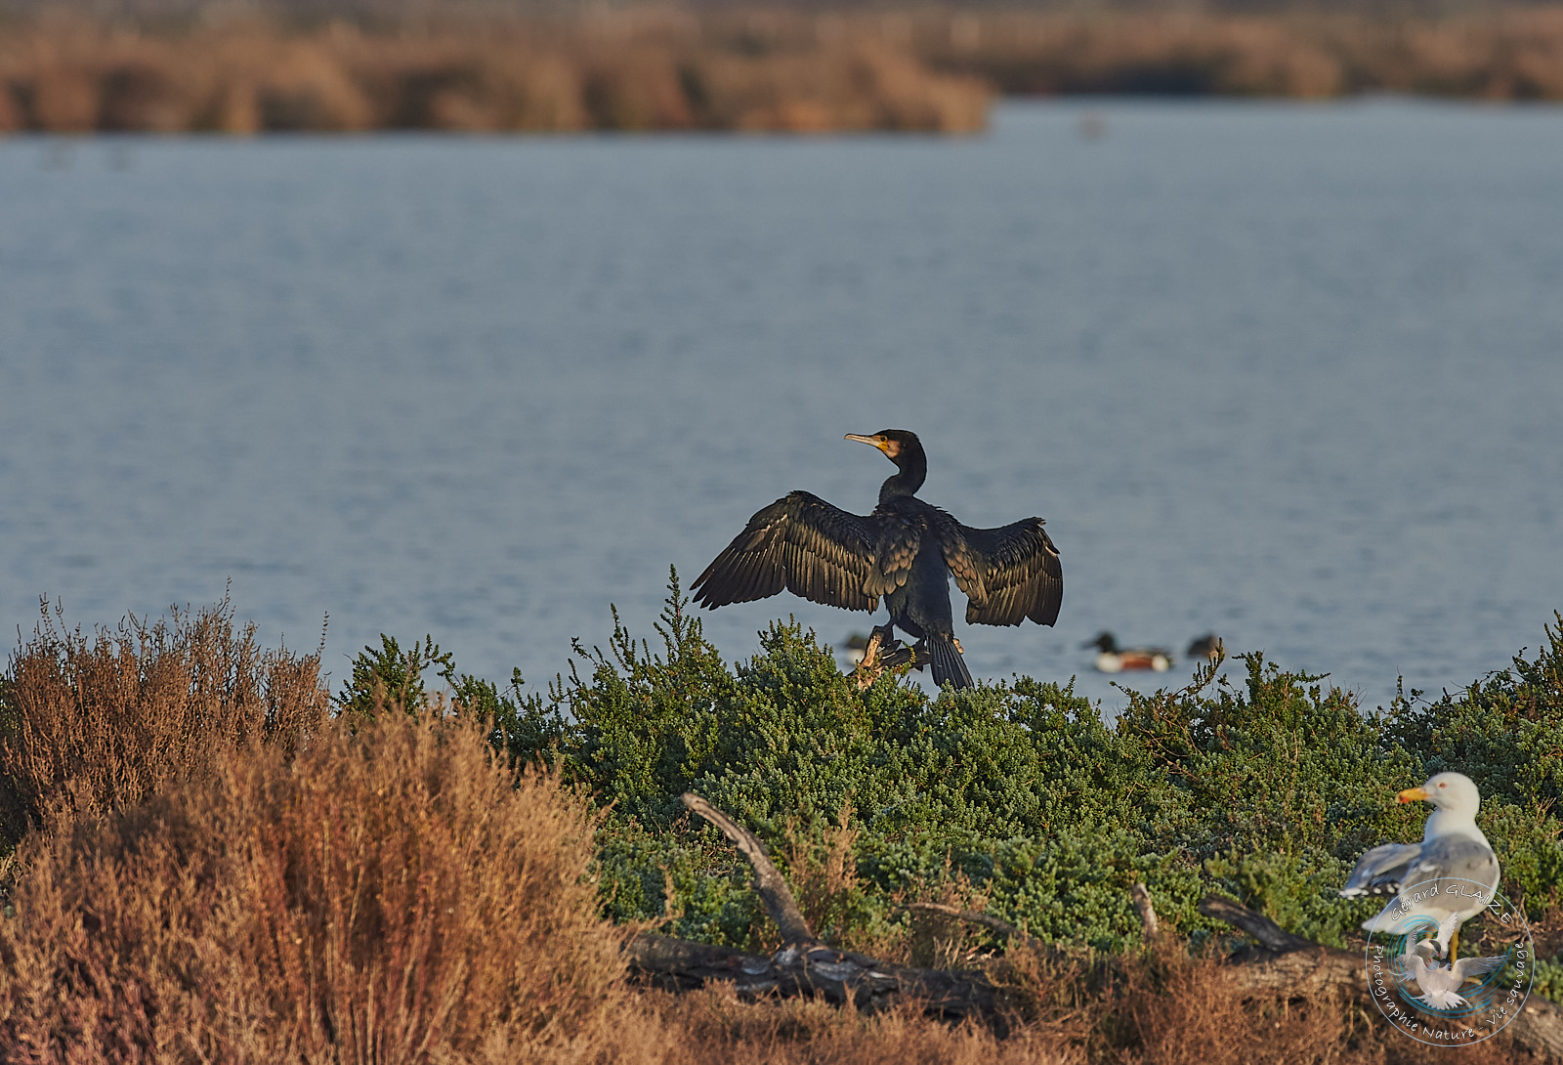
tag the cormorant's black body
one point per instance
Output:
(906, 551)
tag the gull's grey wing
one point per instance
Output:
(1009, 574)
(1379, 871)
(1453, 857)
(800, 543)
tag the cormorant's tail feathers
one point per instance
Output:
(948, 665)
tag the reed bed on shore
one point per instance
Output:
(747, 69)
(644, 71)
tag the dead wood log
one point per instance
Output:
(1284, 962)
(837, 976)
(1270, 935)
(804, 965)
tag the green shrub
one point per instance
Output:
(1019, 793)
(1265, 787)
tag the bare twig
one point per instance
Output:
(971, 917)
(774, 892)
(1270, 935)
(1141, 896)
(883, 652)
(1284, 963)
(804, 965)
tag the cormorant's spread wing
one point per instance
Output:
(800, 543)
(1008, 574)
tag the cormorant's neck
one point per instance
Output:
(912, 470)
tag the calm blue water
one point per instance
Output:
(1290, 373)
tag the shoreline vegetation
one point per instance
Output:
(236, 70)
(208, 854)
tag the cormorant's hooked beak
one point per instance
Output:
(1413, 795)
(887, 446)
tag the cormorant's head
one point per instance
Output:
(893, 442)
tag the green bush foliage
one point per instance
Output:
(1018, 795)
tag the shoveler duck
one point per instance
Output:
(1111, 658)
(1206, 646)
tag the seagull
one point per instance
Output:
(1441, 984)
(1445, 880)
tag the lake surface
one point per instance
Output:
(1289, 373)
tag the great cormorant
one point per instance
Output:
(905, 550)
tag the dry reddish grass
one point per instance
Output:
(385, 895)
(95, 723)
(712, 1028)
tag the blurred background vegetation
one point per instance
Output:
(483, 65)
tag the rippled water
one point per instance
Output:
(1293, 374)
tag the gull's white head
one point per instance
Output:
(1453, 792)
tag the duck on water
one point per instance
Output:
(905, 551)
(1110, 658)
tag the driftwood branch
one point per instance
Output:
(804, 965)
(1270, 935)
(837, 976)
(1140, 895)
(971, 917)
(882, 652)
(774, 892)
(1285, 962)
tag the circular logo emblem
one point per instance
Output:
(1442, 1000)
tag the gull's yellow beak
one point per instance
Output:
(872, 441)
(1412, 795)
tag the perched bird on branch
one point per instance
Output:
(905, 551)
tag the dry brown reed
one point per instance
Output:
(1170, 1007)
(93, 723)
(713, 1028)
(721, 68)
(647, 70)
(1499, 53)
(389, 894)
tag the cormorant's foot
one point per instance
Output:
(872, 662)
(882, 653)
(958, 648)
